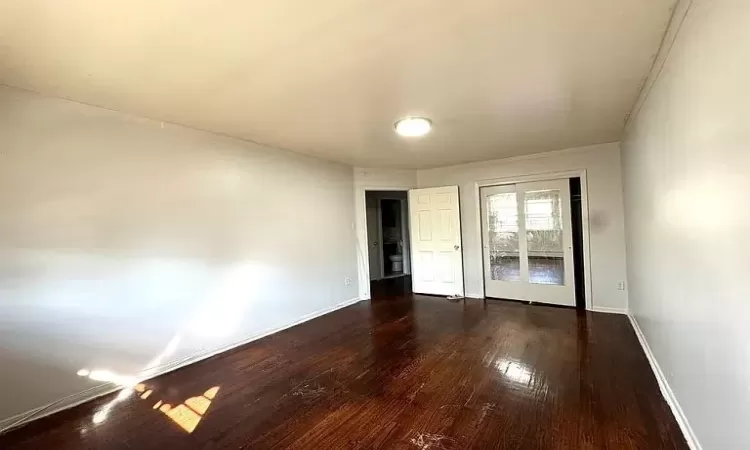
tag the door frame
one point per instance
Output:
(523, 288)
(360, 227)
(405, 235)
(379, 225)
(538, 177)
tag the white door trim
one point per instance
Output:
(539, 177)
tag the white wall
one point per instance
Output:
(607, 246)
(686, 164)
(119, 236)
(373, 179)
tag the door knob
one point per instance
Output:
(455, 247)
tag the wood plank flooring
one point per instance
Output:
(401, 372)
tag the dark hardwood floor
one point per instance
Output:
(401, 372)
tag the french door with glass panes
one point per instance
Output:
(527, 242)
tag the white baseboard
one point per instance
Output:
(57, 406)
(666, 390)
(604, 309)
(108, 388)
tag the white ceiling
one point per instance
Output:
(329, 77)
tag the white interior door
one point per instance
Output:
(528, 242)
(435, 231)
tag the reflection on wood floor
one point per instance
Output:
(401, 372)
(541, 270)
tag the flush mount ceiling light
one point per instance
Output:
(413, 126)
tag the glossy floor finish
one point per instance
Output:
(402, 372)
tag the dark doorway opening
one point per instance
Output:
(387, 215)
(576, 206)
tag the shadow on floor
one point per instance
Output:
(390, 287)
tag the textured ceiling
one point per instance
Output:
(329, 77)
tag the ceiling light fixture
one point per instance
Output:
(413, 126)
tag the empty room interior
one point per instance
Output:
(489, 224)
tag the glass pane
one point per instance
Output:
(544, 237)
(502, 214)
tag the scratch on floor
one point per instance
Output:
(307, 392)
(486, 408)
(303, 389)
(413, 395)
(425, 441)
(408, 370)
(470, 397)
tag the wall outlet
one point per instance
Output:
(621, 286)
(347, 281)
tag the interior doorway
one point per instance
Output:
(388, 240)
(528, 242)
